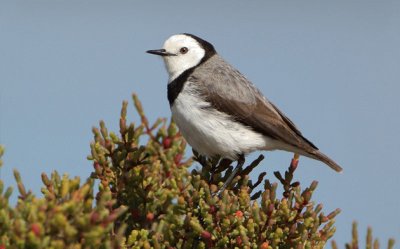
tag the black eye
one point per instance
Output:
(184, 50)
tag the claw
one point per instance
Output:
(239, 166)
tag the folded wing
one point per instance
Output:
(230, 92)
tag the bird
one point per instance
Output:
(220, 112)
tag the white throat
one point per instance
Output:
(181, 61)
(174, 69)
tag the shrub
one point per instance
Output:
(148, 198)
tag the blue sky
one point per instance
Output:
(332, 67)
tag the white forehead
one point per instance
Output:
(181, 40)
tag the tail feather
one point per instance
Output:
(325, 159)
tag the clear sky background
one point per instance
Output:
(332, 66)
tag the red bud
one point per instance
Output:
(35, 228)
(178, 159)
(239, 214)
(239, 240)
(96, 166)
(94, 218)
(150, 216)
(264, 245)
(213, 209)
(206, 235)
(167, 143)
(294, 163)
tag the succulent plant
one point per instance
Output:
(149, 197)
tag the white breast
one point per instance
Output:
(211, 132)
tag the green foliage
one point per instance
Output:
(64, 218)
(370, 243)
(147, 198)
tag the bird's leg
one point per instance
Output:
(239, 166)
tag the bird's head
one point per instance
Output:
(182, 52)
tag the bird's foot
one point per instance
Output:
(228, 181)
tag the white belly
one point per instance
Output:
(211, 132)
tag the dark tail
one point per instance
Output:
(323, 158)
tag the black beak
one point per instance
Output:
(161, 52)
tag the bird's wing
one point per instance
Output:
(230, 92)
